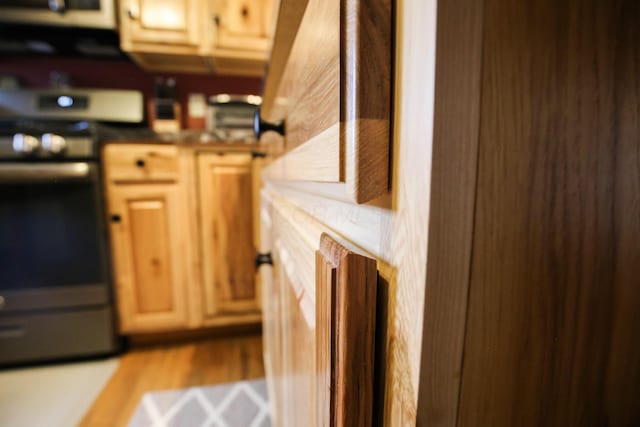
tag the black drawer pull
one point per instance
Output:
(260, 126)
(116, 218)
(140, 163)
(262, 259)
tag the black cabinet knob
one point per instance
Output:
(116, 218)
(262, 259)
(260, 126)
(140, 163)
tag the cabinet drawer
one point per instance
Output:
(336, 102)
(141, 162)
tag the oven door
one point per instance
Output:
(52, 237)
(76, 13)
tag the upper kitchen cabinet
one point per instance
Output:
(197, 36)
(240, 35)
(334, 105)
(169, 21)
(164, 35)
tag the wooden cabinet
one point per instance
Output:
(240, 35)
(507, 250)
(164, 35)
(242, 24)
(338, 115)
(200, 36)
(149, 257)
(182, 237)
(320, 305)
(226, 214)
(167, 21)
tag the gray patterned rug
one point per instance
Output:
(239, 404)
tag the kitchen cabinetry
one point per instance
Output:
(182, 237)
(240, 35)
(226, 200)
(200, 36)
(164, 35)
(148, 256)
(168, 21)
(330, 175)
(320, 305)
(507, 250)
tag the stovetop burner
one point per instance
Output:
(64, 128)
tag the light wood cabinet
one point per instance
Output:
(319, 323)
(199, 36)
(165, 21)
(226, 215)
(148, 256)
(240, 35)
(164, 35)
(336, 101)
(182, 242)
(507, 249)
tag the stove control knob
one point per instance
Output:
(25, 144)
(54, 144)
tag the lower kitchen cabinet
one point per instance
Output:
(148, 256)
(182, 245)
(319, 323)
(226, 200)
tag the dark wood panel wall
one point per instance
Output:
(552, 335)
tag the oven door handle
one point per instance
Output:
(46, 172)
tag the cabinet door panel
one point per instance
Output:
(320, 344)
(148, 257)
(226, 200)
(242, 24)
(162, 21)
(335, 101)
(345, 317)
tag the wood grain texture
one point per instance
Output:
(365, 91)
(226, 219)
(453, 183)
(398, 233)
(148, 257)
(159, 162)
(157, 368)
(289, 17)
(316, 160)
(346, 87)
(299, 367)
(293, 313)
(311, 83)
(345, 335)
(552, 329)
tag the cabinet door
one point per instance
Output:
(148, 254)
(319, 327)
(161, 21)
(226, 215)
(331, 85)
(242, 24)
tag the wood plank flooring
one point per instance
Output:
(166, 367)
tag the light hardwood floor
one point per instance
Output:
(211, 361)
